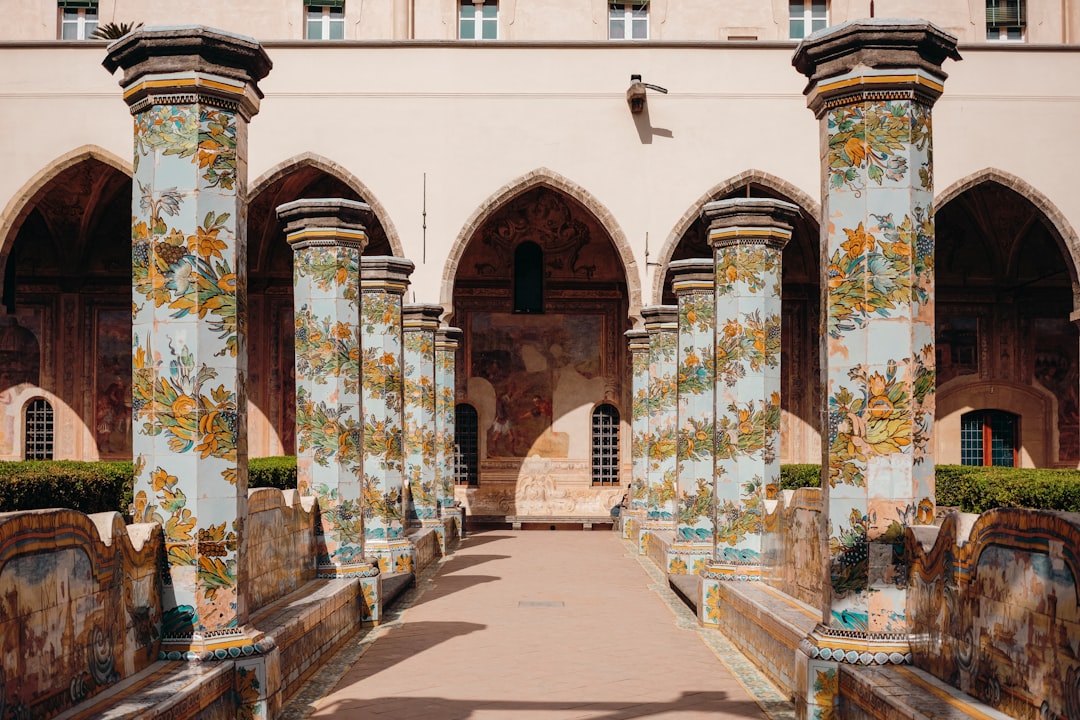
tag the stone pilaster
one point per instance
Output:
(872, 86)
(633, 519)
(327, 237)
(662, 325)
(419, 324)
(447, 340)
(192, 92)
(383, 281)
(692, 281)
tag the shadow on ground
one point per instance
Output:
(710, 703)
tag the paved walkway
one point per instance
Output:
(545, 625)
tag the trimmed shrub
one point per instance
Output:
(793, 477)
(976, 489)
(276, 472)
(89, 487)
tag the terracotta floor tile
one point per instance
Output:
(544, 625)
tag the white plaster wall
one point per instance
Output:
(1055, 21)
(472, 119)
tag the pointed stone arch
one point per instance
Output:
(1066, 235)
(21, 204)
(314, 160)
(759, 177)
(533, 179)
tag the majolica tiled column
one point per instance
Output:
(662, 324)
(327, 237)
(192, 92)
(632, 523)
(692, 281)
(748, 237)
(419, 324)
(383, 281)
(447, 340)
(872, 86)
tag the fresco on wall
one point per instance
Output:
(535, 363)
(112, 382)
(957, 347)
(20, 362)
(1055, 369)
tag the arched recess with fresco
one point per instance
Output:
(1006, 277)
(539, 287)
(801, 366)
(65, 316)
(271, 385)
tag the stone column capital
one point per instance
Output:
(421, 316)
(189, 64)
(750, 221)
(878, 59)
(386, 272)
(447, 338)
(693, 274)
(637, 337)
(325, 222)
(657, 315)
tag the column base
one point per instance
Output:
(712, 574)
(630, 522)
(817, 680)
(457, 513)
(227, 644)
(688, 558)
(393, 556)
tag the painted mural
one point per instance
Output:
(535, 368)
(1056, 370)
(20, 364)
(994, 610)
(112, 383)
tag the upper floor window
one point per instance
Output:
(989, 437)
(78, 19)
(466, 445)
(1005, 20)
(38, 430)
(806, 17)
(605, 445)
(325, 19)
(478, 20)
(628, 20)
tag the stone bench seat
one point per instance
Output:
(165, 689)
(586, 521)
(892, 692)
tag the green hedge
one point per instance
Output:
(87, 486)
(977, 489)
(793, 477)
(278, 472)
(101, 486)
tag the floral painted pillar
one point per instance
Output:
(447, 340)
(383, 281)
(192, 92)
(692, 281)
(634, 518)
(327, 237)
(748, 237)
(419, 324)
(872, 86)
(662, 325)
